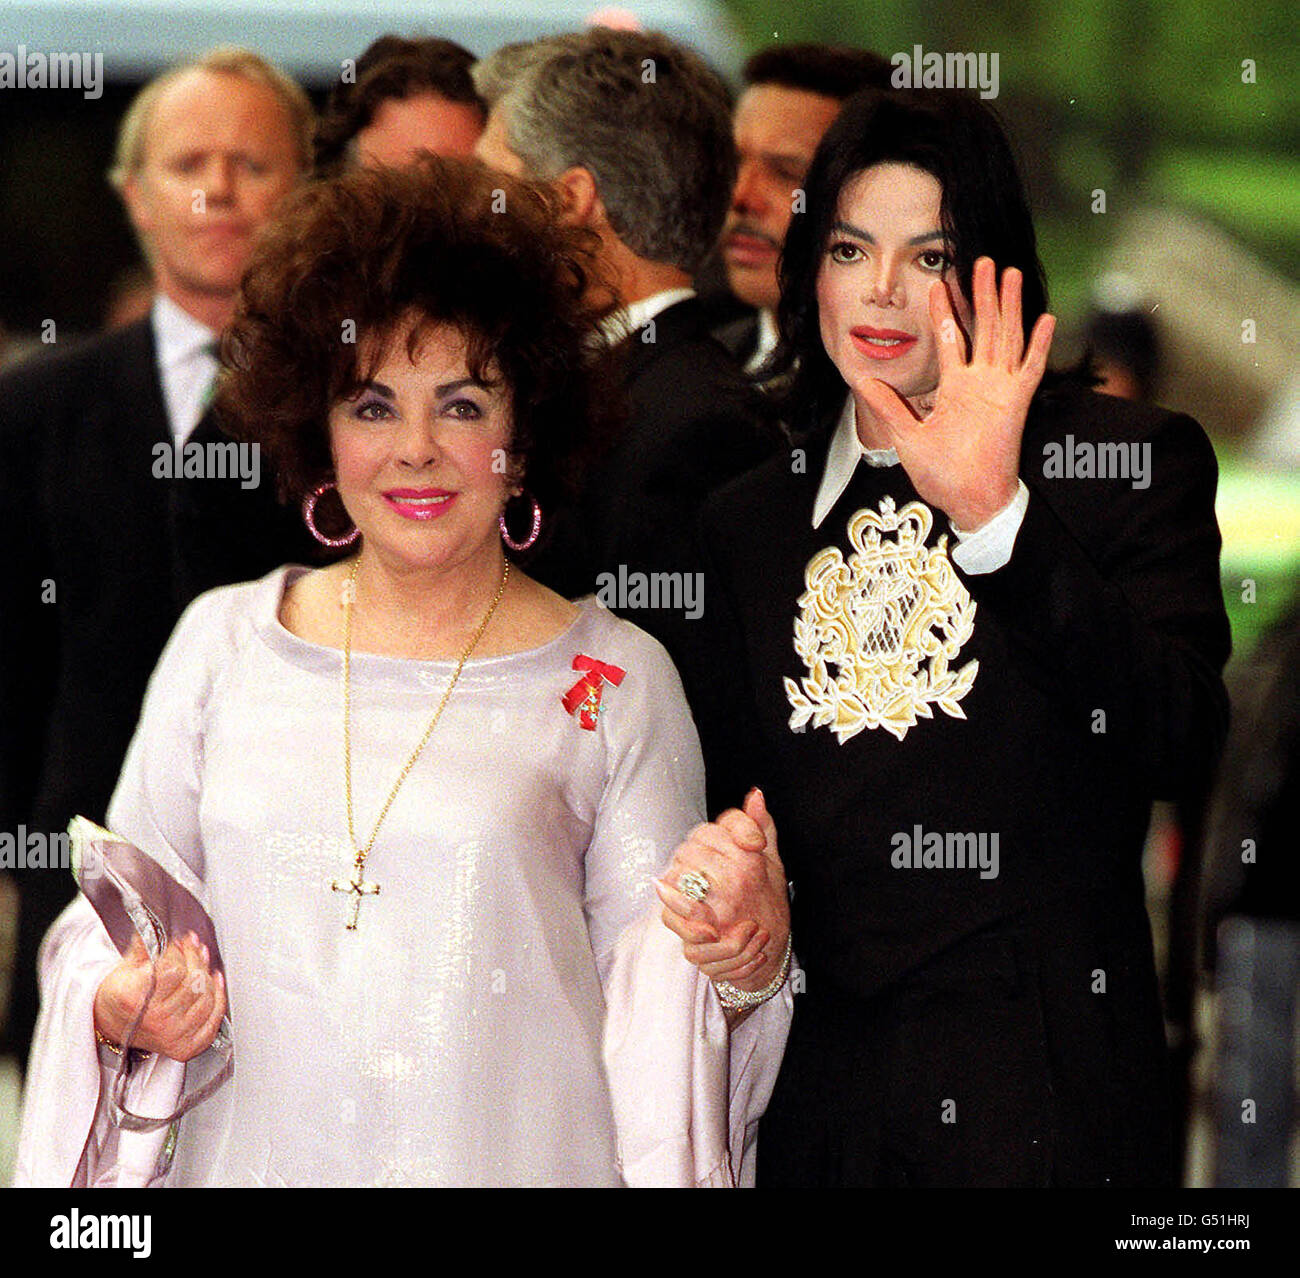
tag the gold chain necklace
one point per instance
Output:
(356, 885)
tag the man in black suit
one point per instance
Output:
(633, 131)
(792, 93)
(960, 649)
(108, 536)
(1022, 987)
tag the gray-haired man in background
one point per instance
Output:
(633, 131)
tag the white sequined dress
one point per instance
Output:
(455, 1037)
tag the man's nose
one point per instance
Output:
(747, 194)
(219, 179)
(885, 283)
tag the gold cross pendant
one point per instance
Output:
(359, 889)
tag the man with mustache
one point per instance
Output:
(792, 93)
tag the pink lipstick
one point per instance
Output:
(420, 503)
(882, 343)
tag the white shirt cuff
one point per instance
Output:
(989, 548)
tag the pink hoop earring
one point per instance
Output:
(308, 517)
(532, 536)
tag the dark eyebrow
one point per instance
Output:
(858, 233)
(445, 389)
(848, 228)
(448, 387)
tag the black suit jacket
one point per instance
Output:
(692, 423)
(102, 559)
(740, 337)
(1100, 646)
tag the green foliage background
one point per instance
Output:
(1144, 100)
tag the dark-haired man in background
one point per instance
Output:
(792, 93)
(406, 96)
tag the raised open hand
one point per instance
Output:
(737, 933)
(964, 457)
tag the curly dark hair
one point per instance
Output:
(447, 241)
(392, 67)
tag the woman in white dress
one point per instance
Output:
(423, 798)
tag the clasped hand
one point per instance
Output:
(963, 457)
(185, 1010)
(739, 931)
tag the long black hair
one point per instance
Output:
(948, 133)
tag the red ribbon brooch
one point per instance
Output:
(583, 699)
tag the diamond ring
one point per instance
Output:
(694, 884)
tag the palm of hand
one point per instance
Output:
(964, 456)
(973, 432)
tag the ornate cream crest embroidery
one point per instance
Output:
(877, 633)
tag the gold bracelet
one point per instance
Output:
(107, 1042)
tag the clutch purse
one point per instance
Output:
(137, 894)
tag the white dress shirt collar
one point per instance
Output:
(842, 459)
(186, 365)
(177, 334)
(765, 343)
(624, 322)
